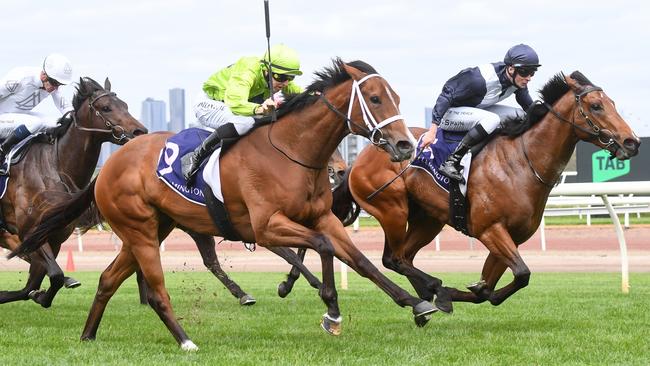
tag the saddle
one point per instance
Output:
(19, 151)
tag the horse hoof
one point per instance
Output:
(284, 289)
(247, 300)
(422, 313)
(477, 287)
(331, 325)
(70, 282)
(189, 346)
(446, 306)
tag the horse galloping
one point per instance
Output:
(279, 198)
(336, 169)
(509, 184)
(66, 165)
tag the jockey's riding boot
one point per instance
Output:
(15, 137)
(192, 165)
(451, 167)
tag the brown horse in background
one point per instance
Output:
(275, 189)
(47, 171)
(509, 183)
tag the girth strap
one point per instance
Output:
(219, 215)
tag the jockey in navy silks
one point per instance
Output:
(468, 102)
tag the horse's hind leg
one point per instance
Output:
(421, 231)
(120, 269)
(148, 258)
(206, 246)
(296, 260)
(285, 287)
(142, 287)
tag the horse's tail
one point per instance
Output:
(59, 216)
(343, 204)
(89, 219)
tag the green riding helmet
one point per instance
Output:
(284, 60)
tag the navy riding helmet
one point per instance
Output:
(522, 55)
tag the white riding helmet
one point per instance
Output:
(58, 67)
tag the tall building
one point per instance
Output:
(176, 109)
(351, 146)
(428, 116)
(153, 115)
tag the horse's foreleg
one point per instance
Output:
(280, 231)
(505, 251)
(120, 269)
(298, 267)
(206, 246)
(37, 272)
(349, 254)
(481, 291)
(54, 272)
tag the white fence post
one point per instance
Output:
(625, 277)
(80, 243)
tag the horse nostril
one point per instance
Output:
(632, 145)
(341, 173)
(405, 147)
(140, 131)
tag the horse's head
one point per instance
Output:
(374, 102)
(97, 109)
(600, 122)
(336, 167)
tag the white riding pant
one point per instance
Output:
(465, 118)
(34, 122)
(213, 113)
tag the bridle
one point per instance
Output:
(112, 126)
(371, 130)
(596, 132)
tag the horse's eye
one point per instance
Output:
(596, 107)
(106, 109)
(375, 99)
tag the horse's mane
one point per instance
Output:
(84, 90)
(550, 93)
(325, 79)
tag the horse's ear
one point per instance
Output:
(107, 84)
(353, 72)
(574, 84)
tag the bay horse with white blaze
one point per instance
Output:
(509, 184)
(276, 191)
(49, 171)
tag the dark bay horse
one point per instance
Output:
(48, 170)
(509, 183)
(276, 191)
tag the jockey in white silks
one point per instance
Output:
(21, 90)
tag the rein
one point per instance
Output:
(595, 132)
(370, 130)
(112, 126)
